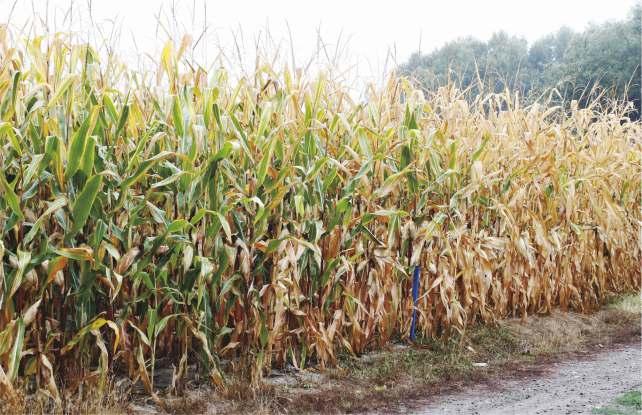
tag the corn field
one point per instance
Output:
(183, 217)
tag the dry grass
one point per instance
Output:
(113, 399)
(570, 332)
(630, 303)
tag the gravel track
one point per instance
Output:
(571, 387)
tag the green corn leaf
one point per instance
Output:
(177, 117)
(78, 144)
(84, 202)
(160, 326)
(178, 226)
(36, 162)
(87, 164)
(122, 120)
(60, 92)
(225, 225)
(94, 325)
(23, 261)
(265, 161)
(144, 167)
(14, 90)
(10, 197)
(228, 284)
(7, 129)
(53, 206)
(16, 351)
(481, 148)
(110, 107)
(298, 205)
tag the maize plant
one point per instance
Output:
(186, 218)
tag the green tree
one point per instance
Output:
(604, 58)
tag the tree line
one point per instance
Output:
(601, 61)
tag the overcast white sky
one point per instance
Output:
(368, 29)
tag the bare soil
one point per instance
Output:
(577, 386)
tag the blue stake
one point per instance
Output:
(415, 300)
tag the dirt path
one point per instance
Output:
(574, 387)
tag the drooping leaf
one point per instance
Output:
(84, 202)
